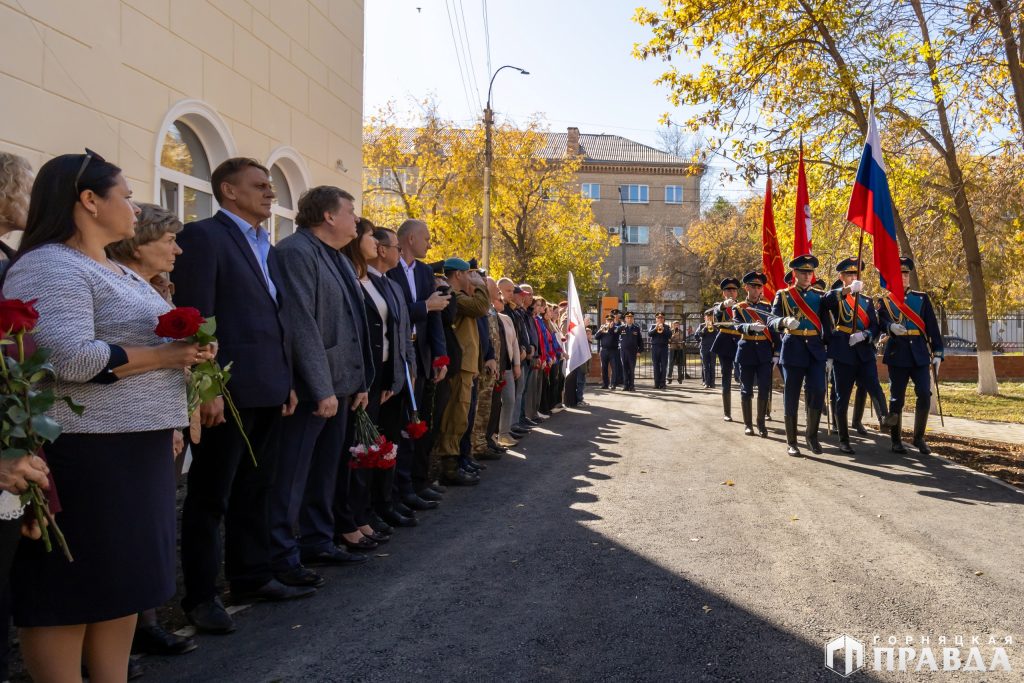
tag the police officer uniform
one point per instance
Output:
(659, 351)
(607, 337)
(914, 343)
(631, 342)
(799, 315)
(725, 343)
(851, 351)
(705, 336)
(754, 353)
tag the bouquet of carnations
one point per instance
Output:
(206, 380)
(415, 428)
(371, 450)
(441, 362)
(25, 426)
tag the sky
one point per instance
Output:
(578, 53)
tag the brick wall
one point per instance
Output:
(965, 368)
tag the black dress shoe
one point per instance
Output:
(477, 465)
(272, 591)
(153, 639)
(490, 454)
(417, 503)
(334, 557)
(402, 509)
(429, 494)
(495, 446)
(439, 487)
(380, 525)
(462, 478)
(136, 670)
(211, 617)
(363, 545)
(397, 519)
(378, 537)
(300, 576)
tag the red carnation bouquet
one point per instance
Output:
(206, 380)
(372, 450)
(441, 362)
(24, 403)
(415, 428)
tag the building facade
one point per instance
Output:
(167, 89)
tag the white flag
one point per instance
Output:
(577, 346)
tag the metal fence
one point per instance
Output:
(1007, 332)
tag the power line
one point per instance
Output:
(458, 59)
(461, 12)
(487, 36)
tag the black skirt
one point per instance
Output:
(117, 497)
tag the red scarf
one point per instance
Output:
(756, 317)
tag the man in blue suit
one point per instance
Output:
(851, 350)
(607, 337)
(228, 269)
(425, 303)
(755, 352)
(914, 343)
(726, 340)
(799, 315)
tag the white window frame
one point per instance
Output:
(643, 194)
(637, 229)
(588, 191)
(674, 187)
(296, 174)
(214, 136)
(678, 232)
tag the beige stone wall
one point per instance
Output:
(278, 74)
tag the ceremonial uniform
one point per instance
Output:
(631, 342)
(799, 315)
(754, 353)
(914, 343)
(705, 336)
(725, 343)
(851, 350)
(607, 337)
(659, 352)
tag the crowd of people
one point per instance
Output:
(339, 321)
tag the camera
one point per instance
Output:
(444, 290)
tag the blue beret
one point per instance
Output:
(805, 262)
(454, 263)
(850, 265)
(754, 277)
(906, 264)
(730, 282)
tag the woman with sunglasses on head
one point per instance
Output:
(116, 482)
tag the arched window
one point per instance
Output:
(290, 178)
(192, 142)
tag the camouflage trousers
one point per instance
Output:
(484, 397)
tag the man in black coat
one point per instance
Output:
(227, 269)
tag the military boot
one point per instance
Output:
(727, 405)
(885, 418)
(920, 421)
(859, 399)
(453, 475)
(844, 432)
(792, 448)
(762, 411)
(747, 404)
(811, 434)
(897, 433)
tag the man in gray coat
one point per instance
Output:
(327, 321)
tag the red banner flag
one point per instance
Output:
(771, 257)
(802, 226)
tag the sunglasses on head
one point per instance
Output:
(89, 156)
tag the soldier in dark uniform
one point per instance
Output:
(754, 352)
(851, 351)
(607, 337)
(914, 343)
(631, 342)
(659, 335)
(798, 313)
(618, 378)
(705, 336)
(726, 340)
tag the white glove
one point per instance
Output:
(937, 361)
(897, 329)
(729, 303)
(756, 328)
(790, 323)
(828, 366)
(856, 286)
(856, 338)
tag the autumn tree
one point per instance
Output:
(725, 242)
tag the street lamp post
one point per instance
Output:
(485, 247)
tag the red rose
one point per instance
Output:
(180, 323)
(441, 362)
(17, 316)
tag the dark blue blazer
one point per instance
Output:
(801, 351)
(217, 273)
(725, 342)
(843, 316)
(753, 351)
(609, 341)
(911, 351)
(631, 339)
(430, 342)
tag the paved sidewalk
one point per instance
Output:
(1006, 432)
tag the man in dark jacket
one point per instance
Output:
(631, 342)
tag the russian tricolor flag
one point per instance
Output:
(871, 209)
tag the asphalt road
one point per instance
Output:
(612, 548)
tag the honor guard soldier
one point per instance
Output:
(659, 336)
(914, 343)
(726, 340)
(851, 350)
(631, 342)
(754, 352)
(798, 313)
(705, 336)
(607, 337)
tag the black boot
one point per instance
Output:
(791, 435)
(897, 433)
(762, 410)
(727, 405)
(746, 403)
(844, 432)
(859, 398)
(813, 420)
(885, 418)
(920, 421)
